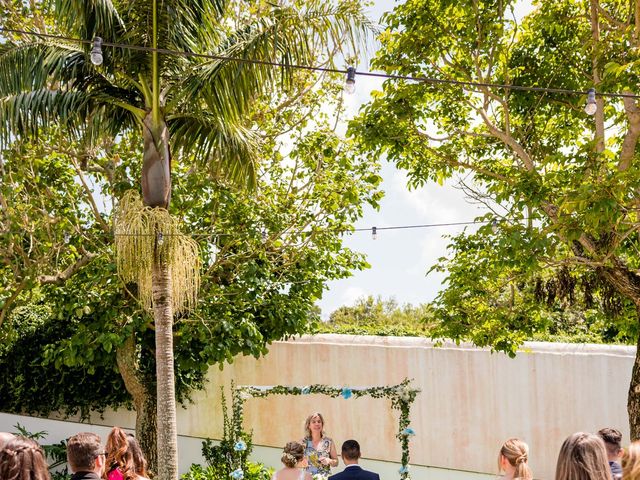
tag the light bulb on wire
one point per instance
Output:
(591, 107)
(160, 239)
(350, 82)
(96, 51)
(374, 233)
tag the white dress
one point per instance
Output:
(300, 477)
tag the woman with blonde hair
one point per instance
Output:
(23, 459)
(513, 460)
(294, 463)
(319, 450)
(631, 462)
(583, 457)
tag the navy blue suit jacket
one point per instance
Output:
(355, 473)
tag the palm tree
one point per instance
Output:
(188, 107)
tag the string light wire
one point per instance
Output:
(215, 234)
(429, 80)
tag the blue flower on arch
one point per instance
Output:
(237, 474)
(346, 393)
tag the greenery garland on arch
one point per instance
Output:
(401, 396)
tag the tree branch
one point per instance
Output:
(633, 133)
(67, 273)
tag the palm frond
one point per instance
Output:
(89, 18)
(27, 112)
(287, 37)
(227, 148)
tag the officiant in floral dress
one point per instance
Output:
(320, 450)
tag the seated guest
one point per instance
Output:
(294, 463)
(612, 439)
(23, 459)
(85, 456)
(125, 460)
(631, 462)
(583, 457)
(513, 460)
(353, 471)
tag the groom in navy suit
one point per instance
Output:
(353, 471)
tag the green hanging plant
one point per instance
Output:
(144, 235)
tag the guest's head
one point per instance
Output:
(314, 423)
(612, 439)
(125, 454)
(292, 454)
(583, 457)
(85, 453)
(23, 459)
(350, 452)
(4, 438)
(631, 462)
(514, 459)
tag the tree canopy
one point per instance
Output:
(561, 186)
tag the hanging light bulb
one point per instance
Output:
(374, 233)
(350, 82)
(66, 237)
(494, 226)
(265, 236)
(160, 239)
(591, 107)
(96, 52)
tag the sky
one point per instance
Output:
(400, 259)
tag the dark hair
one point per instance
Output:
(292, 454)
(612, 440)
(351, 450)
(82, 451)
(23, 459)
(125, 454)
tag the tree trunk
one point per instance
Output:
(165, 378)
(633, 398)
(156, 164)
(144, 400)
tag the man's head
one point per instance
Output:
(612, 439)
(85, 453)
(350, 452)
(4, 438)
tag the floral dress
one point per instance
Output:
(314, 455)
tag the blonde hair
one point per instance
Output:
(583, 457)
(293, 452)
(307, 423)
(631, 462)
(517, 454)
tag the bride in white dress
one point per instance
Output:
(294, 463)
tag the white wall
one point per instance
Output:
(471, 400)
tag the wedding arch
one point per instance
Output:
(401, 396)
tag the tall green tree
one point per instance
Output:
(196, 109)
(561, 185)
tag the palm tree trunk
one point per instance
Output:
(165, 378)
(156, 164)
